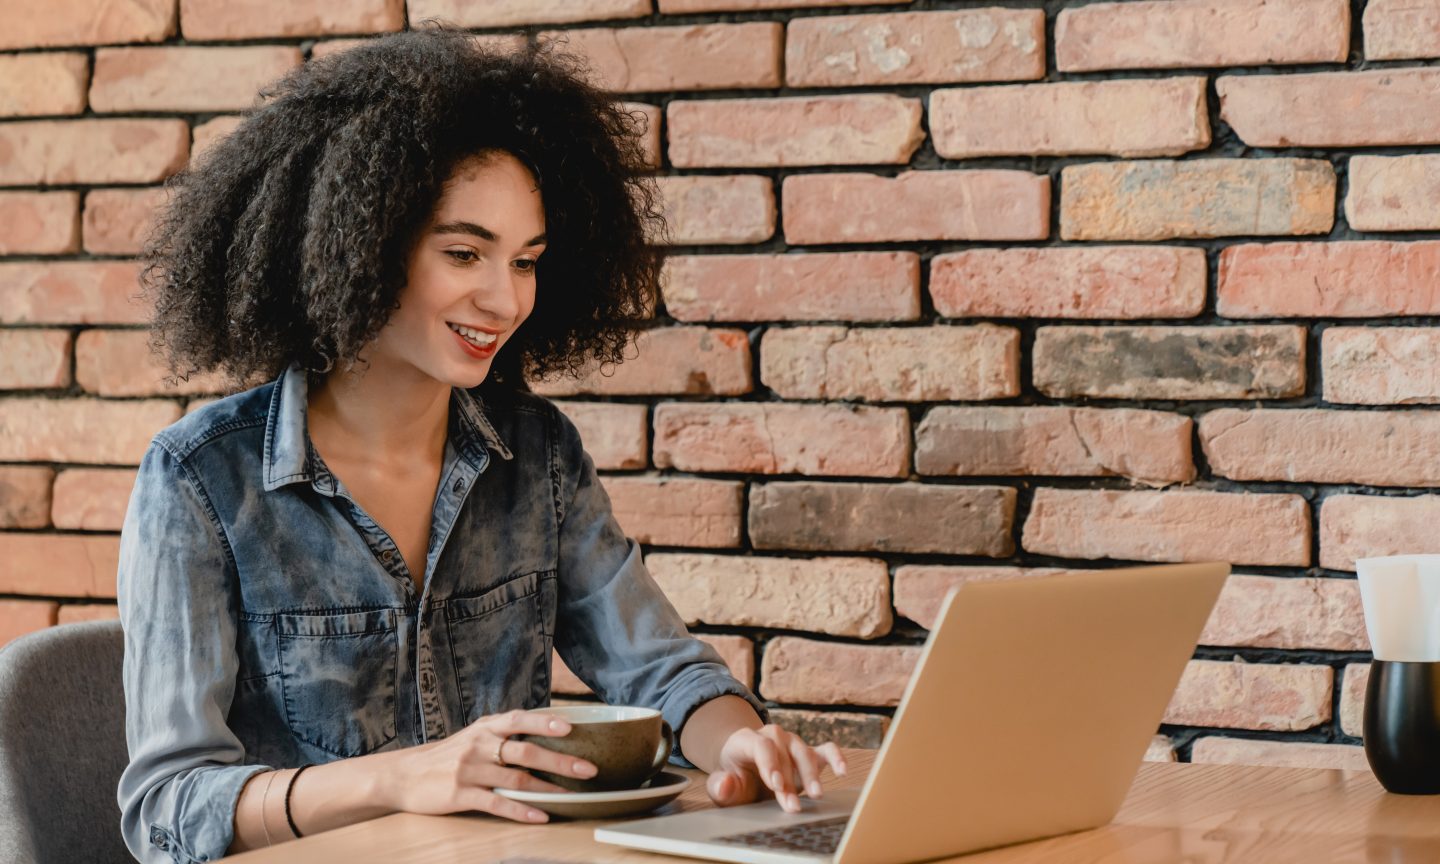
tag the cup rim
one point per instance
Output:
(578, 715)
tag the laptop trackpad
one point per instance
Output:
(725, 821)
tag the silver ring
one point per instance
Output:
(500, 760)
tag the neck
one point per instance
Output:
(380, 414)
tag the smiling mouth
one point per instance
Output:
(475, 337)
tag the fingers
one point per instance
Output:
(830, 752)
(809, 763)
(519, 722)
(486, 801)
(776, 768)
(527, 754)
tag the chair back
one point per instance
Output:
(62, 745)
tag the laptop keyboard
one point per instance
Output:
(821, 837)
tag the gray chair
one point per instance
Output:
(62, 745)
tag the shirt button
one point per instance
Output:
(386, 556)
(157, 837)
(459, 484)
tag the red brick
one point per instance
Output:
(1161, 200)
(59, 565)
(71, 613)
(1288, 612)
(615, 435)
(48, 23)
(861, 129)
(211, 131)
(1070, 282)
(116, 220)
(1361, 279)
(39, 223)
(34, 359)
(775, 438)
(677, 511)
(1161, 749)
(183, 78)
(1241, 528)
(85, 431)
(44, 83)
(1401, 30)
(712, 210)
(119, 363)
(70, 292)
(1371, 526)
(226, 19)
(1333, 109)
(1393, 193)
(1352, 698)
(915, 48)
(509, 13)
(1238, 695)
(25, 496)
(1260, 362)
(804, 671)
(692, 57)
(920, 589)
(988, 204)
(1381, 365)
(847, 729)
(1374, 448)
(845, 286)
(1214, 750)
(55, 152)
(684, 6)
(650, 137)
(92, 499)
(670, 361)
(1151, 447)
(883, 517)
(19, 617)
(839, 596)
(1072, 117)
(921, 364)
(1181, 33)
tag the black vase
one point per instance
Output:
(1402, 726)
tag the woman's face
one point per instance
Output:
(471, 274)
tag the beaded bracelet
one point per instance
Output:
(288, 788)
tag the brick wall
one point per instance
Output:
(957, 293)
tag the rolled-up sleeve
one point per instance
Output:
(176, 589)
(616, 630)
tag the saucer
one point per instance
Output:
(663, 788)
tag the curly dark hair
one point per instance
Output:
(288, 241)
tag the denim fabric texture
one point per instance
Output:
(269, 622)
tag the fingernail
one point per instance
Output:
(559, 726)
(775, 780)
(536, 815)
(584, 769)
(794, 803)
(813, 788)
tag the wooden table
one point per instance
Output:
(1196, 814)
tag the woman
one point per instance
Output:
(363, 564)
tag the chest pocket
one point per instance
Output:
(337, 672)
(500, 645)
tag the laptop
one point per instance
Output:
(1027, 716)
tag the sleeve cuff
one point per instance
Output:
(677, 712)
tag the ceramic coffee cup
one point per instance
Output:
(627, 745)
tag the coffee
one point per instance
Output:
(627, 745)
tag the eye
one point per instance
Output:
(529, 265)
(464, 255)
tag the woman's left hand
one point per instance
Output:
(770, 761)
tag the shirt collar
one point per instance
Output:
(288, 452)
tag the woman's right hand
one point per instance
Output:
(459, 773)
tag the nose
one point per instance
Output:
(498, 298)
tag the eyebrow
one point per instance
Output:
(463, 227)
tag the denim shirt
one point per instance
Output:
(269, 622)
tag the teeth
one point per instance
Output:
(482, 340)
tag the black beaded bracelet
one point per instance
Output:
(288, 817)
